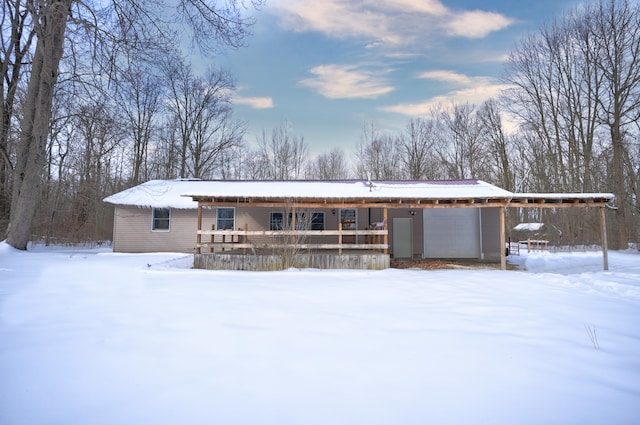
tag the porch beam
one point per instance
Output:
(488, 203)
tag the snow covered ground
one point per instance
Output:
(92, 337)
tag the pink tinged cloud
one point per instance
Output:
(346, 82)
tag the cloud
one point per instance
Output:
(473, 90)
(429, 7)
(447, 77)
(389, 23)
(346, 82)
(476, 23)
(335, 18)
(253, 102)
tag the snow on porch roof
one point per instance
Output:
(179, 193)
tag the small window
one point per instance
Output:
(275, 221)
(348, 218)
(317, 221)
(226, 218)
(161, 219)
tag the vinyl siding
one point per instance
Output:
(132, 230)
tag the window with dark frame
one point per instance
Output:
(348, 218)
(161, 220)
(317, 221)
(276, 221)
(226, 218)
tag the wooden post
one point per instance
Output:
(603, 233)
(213, 238)
(339, 238)
(244, 237)
(224, 238)
(199, 236)
(293, 219)
(386, 227)
(503, 257)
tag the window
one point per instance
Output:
(161, 218)
(317, 221)
(348, 218)
(275, 221)
(226, 219)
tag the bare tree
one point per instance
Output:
(417, 145)
(99, 137)
(215, 134)
(616, 28)
(213, 26)
(164, 153)
(230, 163)
(329, 166)
(577, 93)
(497, 142)
(282, 156)
(139, 97)
(378, 156)
(201, 109)
(462, 148)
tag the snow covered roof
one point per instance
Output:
(179, 193)
(156, 194)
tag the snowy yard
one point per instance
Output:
(93, 337)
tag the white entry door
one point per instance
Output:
(451, 233)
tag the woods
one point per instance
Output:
(84, 116)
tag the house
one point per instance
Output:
(352, 223)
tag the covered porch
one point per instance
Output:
(308, 226)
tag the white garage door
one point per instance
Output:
(451, 233)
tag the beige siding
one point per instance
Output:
(132, 227)
(132, 230)
(258, 219)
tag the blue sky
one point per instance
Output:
(330, 67)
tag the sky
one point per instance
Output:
(328, 68)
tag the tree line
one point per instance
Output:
(569, 122)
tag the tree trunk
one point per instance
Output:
(31, 152)
(620, 240)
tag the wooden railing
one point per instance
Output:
(375, 239)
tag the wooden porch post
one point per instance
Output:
(386, 227)
(199, 235)
(213, 238)
(293, 219)
(503, 257)
(339, 237)
(603, 236)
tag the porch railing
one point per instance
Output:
(375, 240)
